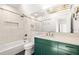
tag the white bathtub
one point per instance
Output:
(12, 48)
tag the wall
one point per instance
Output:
(11, 26)
(30, 27)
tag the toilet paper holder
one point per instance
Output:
(25, 35)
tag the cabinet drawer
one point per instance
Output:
(69, 47)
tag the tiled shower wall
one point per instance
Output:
(11, 26)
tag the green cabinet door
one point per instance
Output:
(45, 47)
(38, 49)
(68, 49)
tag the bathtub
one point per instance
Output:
(12, 48)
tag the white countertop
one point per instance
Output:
(65, 38)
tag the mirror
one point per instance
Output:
(64, 18)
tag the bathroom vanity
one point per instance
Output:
(45, 45)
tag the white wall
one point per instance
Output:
(30, 28)
(9, 30)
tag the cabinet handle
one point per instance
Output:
(68, 54)
(70, 46)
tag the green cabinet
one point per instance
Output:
(45, 47)
(48, 47)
